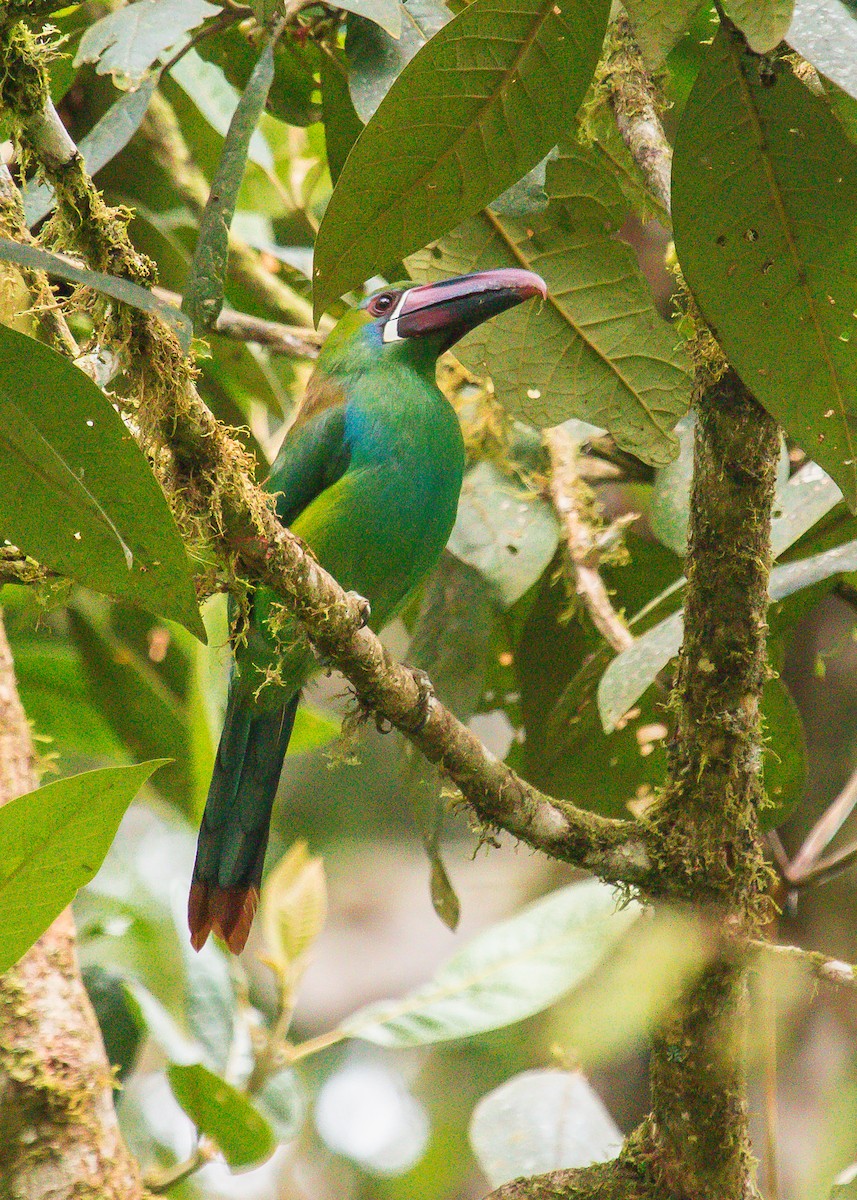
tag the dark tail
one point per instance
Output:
(233, 835)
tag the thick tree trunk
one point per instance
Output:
(59, 1138)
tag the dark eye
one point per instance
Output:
(381, 304)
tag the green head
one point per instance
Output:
(418, 322)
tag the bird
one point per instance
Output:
(368, 476)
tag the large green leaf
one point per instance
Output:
(376, 59)
(77, 492)
(659, 24)
(342, 126)
(764, 196)
(509, 972)
(203, 297)
(598, 348)
(763, 22)
(52, 842)
(222, 1113)
(126, 42)
(474, 110)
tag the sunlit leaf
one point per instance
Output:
(768, 244)
(509, 972)
(222, 1113)
(294, 909)
(129, 40)
(541, 1121)
(825, 33)
(78, 493)
(659, 24)
(763, 22)
(598, 348)
(466, 118)
(52, 842)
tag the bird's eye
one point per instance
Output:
(381, 304)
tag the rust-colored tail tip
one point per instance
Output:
(226, 912)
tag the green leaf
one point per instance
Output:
(105, 140)
(508, 973)
(144, 714)
(376, 59)
(77, 493)
(598, 349)
(768, 244)
(52, 842)
(203, 297)
(210, 1002)
(119, 1016)
(784, 760)
(541, 1121)
(108, 285)
(473, 111)
(659, 24)
(342, 126)
(293, 95)
(505, 530)
(764, 23)
(312, 729)
(387, 14)
(283, 1102)
(217, 100)
(126, 42)
(222, 1113)
(825, 33)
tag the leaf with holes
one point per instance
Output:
(483, 101)
(764, 196)
(78, 493)
(598, 349)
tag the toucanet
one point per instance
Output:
(369, 476)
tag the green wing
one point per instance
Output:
(313, 457)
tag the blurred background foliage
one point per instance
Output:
(507, 644)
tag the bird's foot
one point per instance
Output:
(364, 608)
(425, 687)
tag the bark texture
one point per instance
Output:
(59, 1138)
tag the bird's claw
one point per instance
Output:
(364, 608)
(425, 687)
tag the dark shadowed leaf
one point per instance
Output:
(52, 842)
(222, 1113)
(509, 972)
(768, 244)
(126, 42)
(294, 93)
(387, 14)
(598, 348)
(342, 126)
(473, 111)
(79, 495)
(119, 1016)
(375, 59)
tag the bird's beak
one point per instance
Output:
(453, 307)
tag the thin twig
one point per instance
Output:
(164, 1180)
(823, 832)
(567, 491)
(292, 340)
(828, 970)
